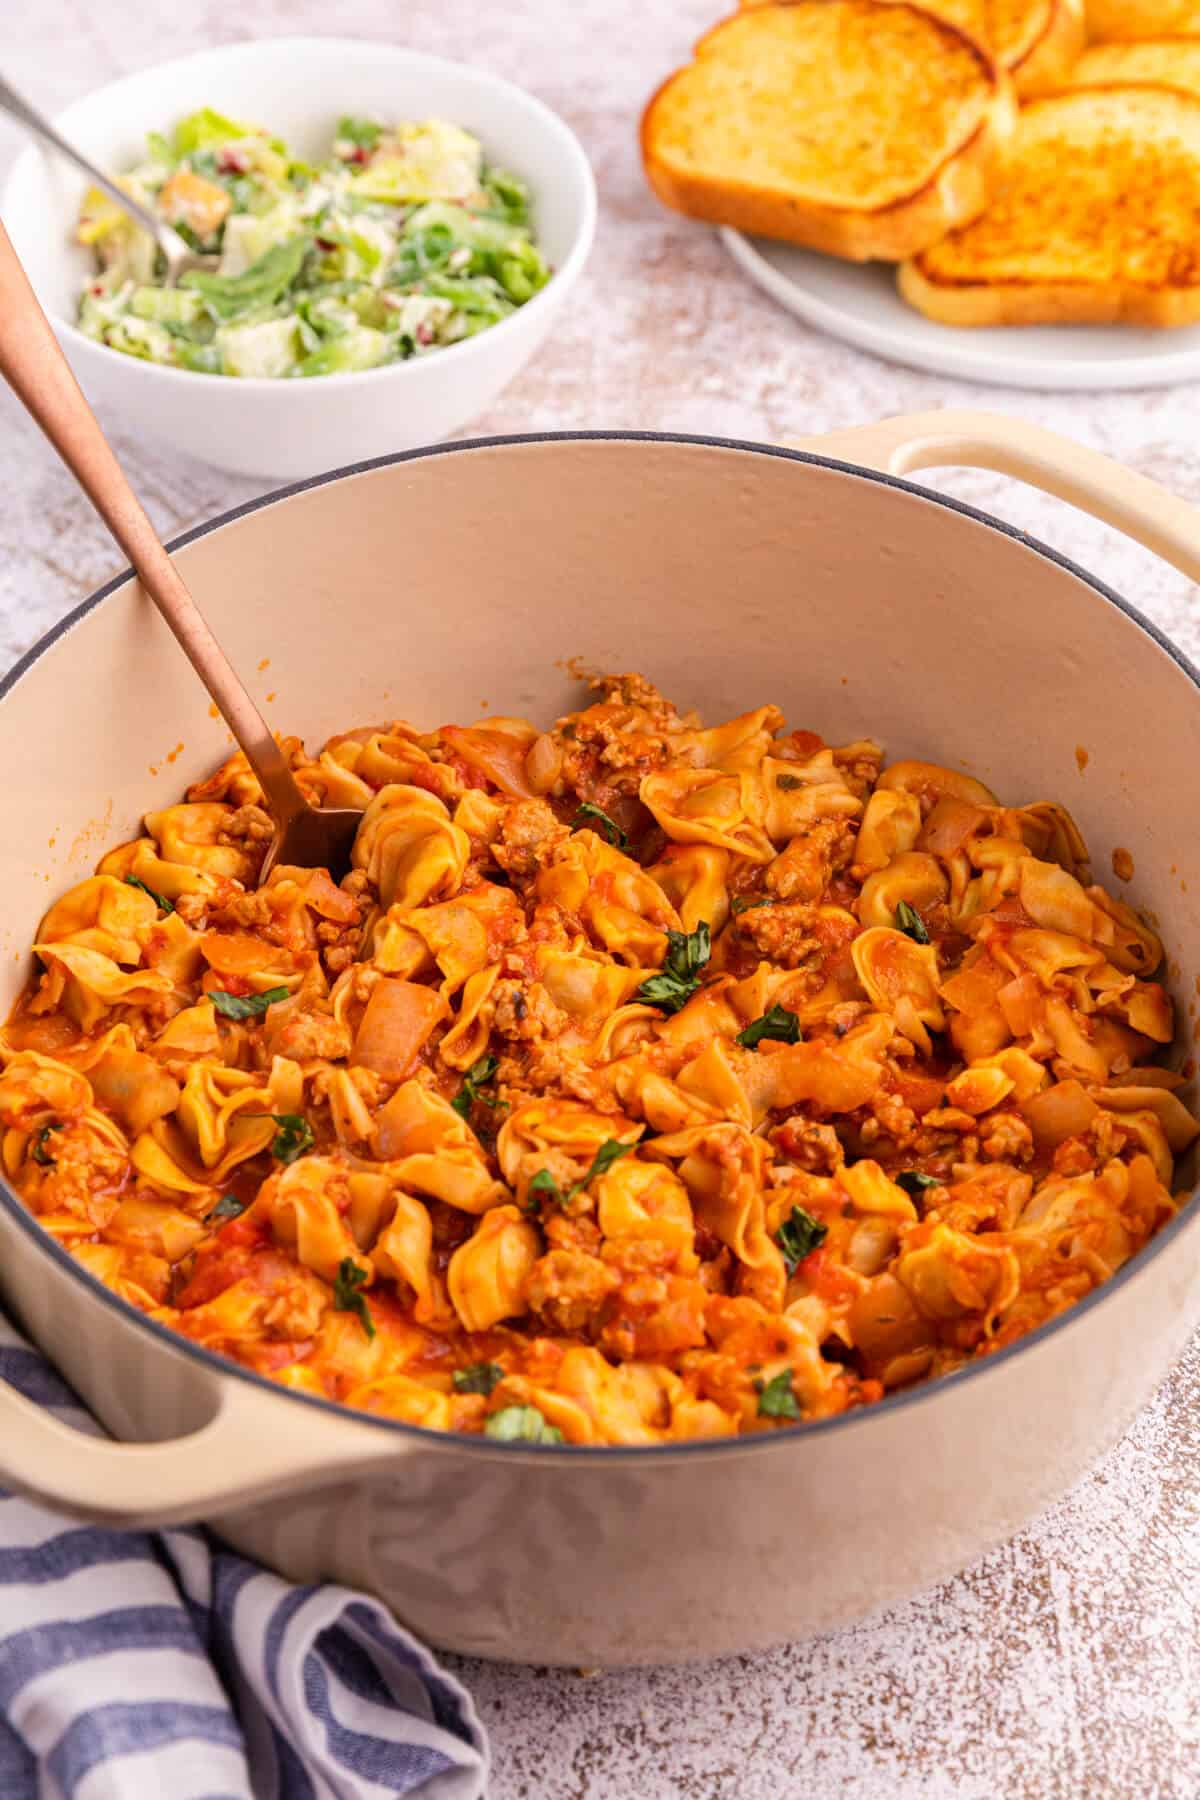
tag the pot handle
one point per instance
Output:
(248, 1450)
(981, 440)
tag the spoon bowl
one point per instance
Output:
(314, 838)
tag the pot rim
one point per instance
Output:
(756, 1443)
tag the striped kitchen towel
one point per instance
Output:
(164, 1667)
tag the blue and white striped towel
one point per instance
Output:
(163, 1667)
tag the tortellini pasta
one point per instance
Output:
(644, 1080)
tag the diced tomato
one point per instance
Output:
(212, 1275)
(805, 743)
(826, 1278)
(228, 984)
(471, 778)
(245, 1232)
(427, 776)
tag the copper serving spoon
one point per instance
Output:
(38, 373)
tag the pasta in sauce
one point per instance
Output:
(641, 1082)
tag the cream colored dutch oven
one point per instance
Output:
(424, 586)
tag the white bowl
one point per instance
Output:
(298, 87)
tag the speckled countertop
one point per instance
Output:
(1066, 1664)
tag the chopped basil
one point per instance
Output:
(913, 1182)
(608, 1153)
(480, 1071)
(227, 1207)
(543, 1183)
(245, 1006)
(609, 826)
(747, 903)
(346, 1296)
(675, 983)
(294, 1137)
(910, 922)
(522, 1425)
(788, 782)
(778, 1023)
(799, 1236)
(160, 900)
(777, 1398)
(477, 1378)
(39, 1152)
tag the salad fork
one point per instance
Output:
(180, 256)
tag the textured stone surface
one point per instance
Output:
(1067, 1663)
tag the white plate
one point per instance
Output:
(858, 303)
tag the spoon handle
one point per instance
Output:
(168, 240)
(38, 373)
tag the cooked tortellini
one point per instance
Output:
(643, 1080)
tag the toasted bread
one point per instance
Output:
(865, 128)
(1167, 62)
(1129, 21)
(1095, 223)
(969, 15)
(1036, 41)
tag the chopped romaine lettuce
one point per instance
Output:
(206, 127)
(496, 248)
(204, 359)
(268, 348)
(507, 197)
(360, 251)
(434, 161)
(141, 337)
(482, 298)
(98, 217)
(248, 236)
(262, 284)
(419, 316)
(170, 306)
(357, 348)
